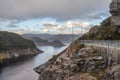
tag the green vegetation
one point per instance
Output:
(10, 41)
(1, 58)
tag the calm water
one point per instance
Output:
(24, 70)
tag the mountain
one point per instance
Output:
(40, 42)
(10, 41)
(64, 38)
(13, 46)
(82, 62)
(42, 36)
(57, 43)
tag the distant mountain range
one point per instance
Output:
(42, 42)
(64, 38)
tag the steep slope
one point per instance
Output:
(77, 62)
(106, 31)
(13, 46)
(81, 62)
(109, 29)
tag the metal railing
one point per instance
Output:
(103, 43)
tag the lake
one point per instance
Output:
(24, 70)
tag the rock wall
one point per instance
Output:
(115, 11)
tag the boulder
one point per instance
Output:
(81, 59)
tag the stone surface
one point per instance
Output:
(115, 11)
(84, 76)
(112, 73)
(80, 62)
(68, 63)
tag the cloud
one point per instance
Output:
(66, 28)
(59, 9)
(13, 23)
(53, 24)
(0, 28)
(24, 31)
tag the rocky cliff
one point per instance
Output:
(13, 46)
(109, 29)
(115, 11)
(81, 62)
(106, 31)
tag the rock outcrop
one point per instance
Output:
(77, 62)
(115, 11)
(106, 31)
(109, 29)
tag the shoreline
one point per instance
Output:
(14, 59)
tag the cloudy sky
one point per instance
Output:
(52, 16)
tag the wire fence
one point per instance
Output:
(109, 49)
(103, 43)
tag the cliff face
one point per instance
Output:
(13, 46)
(109, 29)
(115, 11)
(80, 62)
(106, 31)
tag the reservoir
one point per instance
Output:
(24, 70)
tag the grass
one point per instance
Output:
(1, 58)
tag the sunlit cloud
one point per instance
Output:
(52, 16)
(67, 28)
